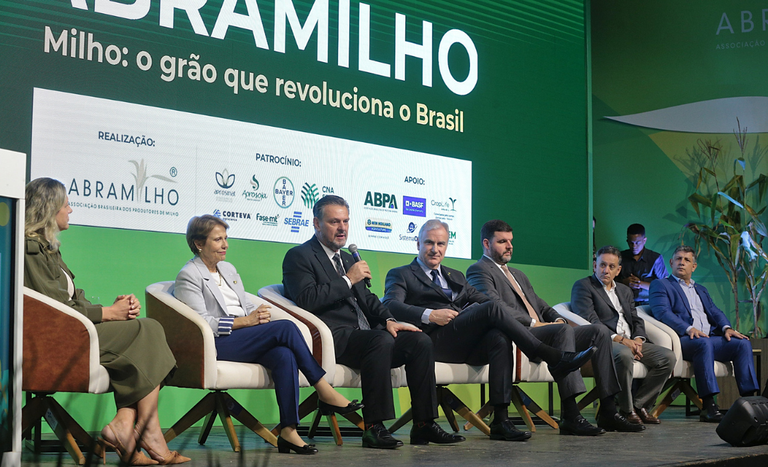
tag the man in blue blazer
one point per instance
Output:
(705, 333)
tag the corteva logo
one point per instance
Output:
(381, 200)
(139, 191)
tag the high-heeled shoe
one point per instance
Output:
(173, 457)
(131, 458)
(285, 447)
(327, 409)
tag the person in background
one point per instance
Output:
(639, 265)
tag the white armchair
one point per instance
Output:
(192, 342)
(683, 372)
(60, 354)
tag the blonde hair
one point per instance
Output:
(45, 198)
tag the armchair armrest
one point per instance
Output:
(60, 348)
(564, 310)
(322, 338)
(665, 337)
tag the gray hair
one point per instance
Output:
(609, 250)
(685, 249)
(432, 224)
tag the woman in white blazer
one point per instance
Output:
(245, 333)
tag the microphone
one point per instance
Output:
(353, 251)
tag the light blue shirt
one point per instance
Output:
(700, 319)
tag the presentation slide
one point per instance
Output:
(137, 167)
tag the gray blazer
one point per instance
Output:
(486, 277)
(195, 287)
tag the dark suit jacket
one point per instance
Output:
(670, 306)
(590, 301)
(409, 292)
(311, 280)
(486, 277)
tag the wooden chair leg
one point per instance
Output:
(517, 401)
(306, 407)
(63, 425)
(226, 421)
(692, 394)
(484, 411)
(404, 418)
(356, 419)
(206, 405)
(249, 421)
(207, 425)
(532, 406)
(674, 390)
(459, 407)
(443, 399)
(588, 399)
(333, 424)
(315, 424)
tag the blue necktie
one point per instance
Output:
(446, 290)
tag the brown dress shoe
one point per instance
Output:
(632, 417)
(647, 417)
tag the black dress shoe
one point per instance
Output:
(507, 431)
(430, 432)
(380, 438)
(710, 417)
(617, 422)
(328, 409)
(579, 427)
(570, 361)
(286, 447)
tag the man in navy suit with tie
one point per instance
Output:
(468, 327)
(705, 333)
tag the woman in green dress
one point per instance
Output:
(133, 351)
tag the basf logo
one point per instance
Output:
(414, 206)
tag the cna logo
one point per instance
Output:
(309, 195)
(254, 194)
(380, 200)
(225, 179)
(378, 225)
(296, 222)
(414, 206)
(284, 192)
(140, 192)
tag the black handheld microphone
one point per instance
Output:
(353, 251)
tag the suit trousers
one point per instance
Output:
(703, 352)
(480, 334)
(660, 362)
(280, 347)
(374, 352)
(576, 339)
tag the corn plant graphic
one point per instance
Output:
(141, 177)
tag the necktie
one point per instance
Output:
(362, 321)
(519, 292)
(447, 291)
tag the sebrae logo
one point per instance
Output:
(138, 192)
(296, 222)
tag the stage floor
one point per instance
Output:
(678, 440)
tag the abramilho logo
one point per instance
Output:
(296, 222)
(138, 192)
(414, 206)
(378, 225)
(254, 194)
(381, 200)
(284, 193)
(309, 195)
